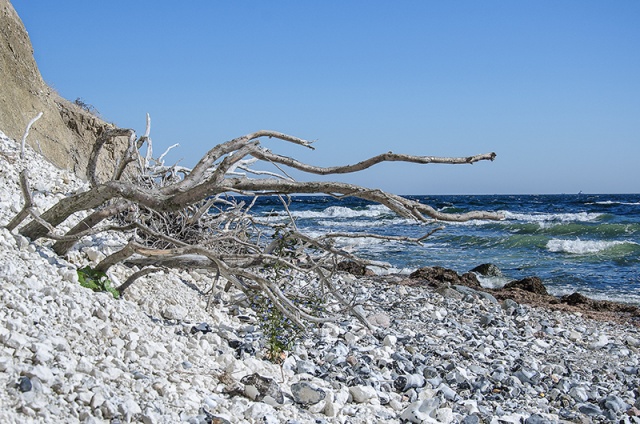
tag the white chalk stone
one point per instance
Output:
(94, 254)
(149, 416)
(97, 400)
(601, 342)
(129, 408)
(362, 394)
(421, 412)
(390, 340)
(444, 415)
(174, 312)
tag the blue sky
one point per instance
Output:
(553, 87)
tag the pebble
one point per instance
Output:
(614, 403)
(202, 327)
(362, 394)
(471, 419)
(306, 367)
(589, 409)
(406, 382)
(421, 411)
(24, 384)
(389, 340)
(174, 312)
(258, 388)
(129, 408)
(579, 393)
(306, 394)
(379, 319)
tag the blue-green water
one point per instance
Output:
(585, 243)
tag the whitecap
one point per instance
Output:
(364, 224)
(612, 202)
(470, 223)
(344, 212)
(492, 282)
(552, 217)
(581, 247)
(360, 224)
(366, 243)
(391, 270)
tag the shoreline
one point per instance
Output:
(530, 291)
(587, 244)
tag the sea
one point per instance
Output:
(586, 243)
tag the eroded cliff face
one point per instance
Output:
(66, 133)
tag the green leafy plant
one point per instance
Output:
(279, 331)
(97, 281)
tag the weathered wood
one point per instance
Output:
(28, 201)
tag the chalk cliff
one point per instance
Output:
(66, 132)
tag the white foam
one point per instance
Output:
(581, 247)
(391, 270)
(371, 211)
(489, 282)
(611, 202)
(470, 223)
(552, 217)
(365, 224)
(366, 243)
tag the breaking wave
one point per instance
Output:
(554, 217)
(585, 247)
(372, 211)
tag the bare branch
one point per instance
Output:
(220, 150)
(131, 155)
(161, 158)
(336, 293)
(117, 257)
(404, 207)
(146, 138)
(86, 226)
(28, 201)
(106, 136)
(385, 157)
(133, 277)
(26, 133)
(378, 236)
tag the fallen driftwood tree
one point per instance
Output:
(202, 218)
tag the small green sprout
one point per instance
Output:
(97, 281)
